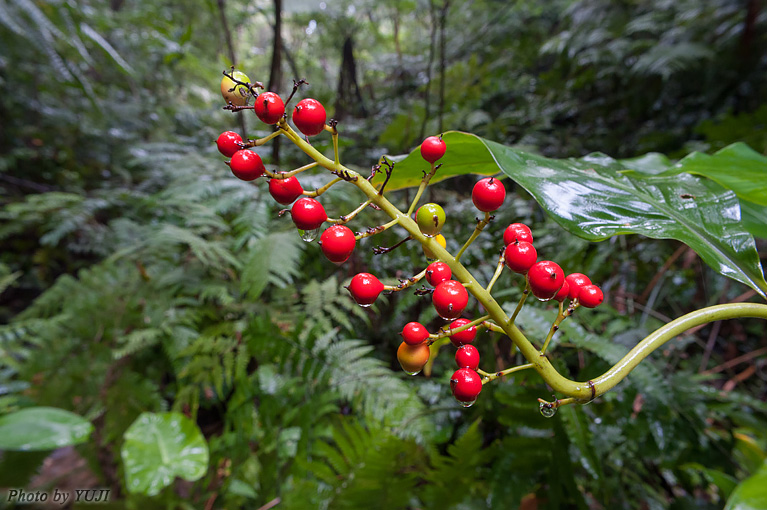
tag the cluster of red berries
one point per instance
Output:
(545, 278)
(450, 298)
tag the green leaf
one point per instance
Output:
(159, 447)
(737, 167)
(754, 218)
(42, 428)
(597, 197)
(751, 493)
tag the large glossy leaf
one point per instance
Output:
(42, 428)
(158, 448)
(597, 197)
(751, 493)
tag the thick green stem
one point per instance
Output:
(578, 391)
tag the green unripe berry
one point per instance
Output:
(240, 95)
(430, 219)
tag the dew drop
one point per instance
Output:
(467, 404)
(367, 306)
(547, 410)
(412, 373)
(310, 235)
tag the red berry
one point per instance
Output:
(269, 107)
(308, 214)
(466, 336)
(309, 117)
(438, 272)
(227, 143)
(414, 333)
(247, 165)
(576, 281)
(365, 288)
(488, 194)
(433, 148)
(466, 385)
(520, 256)
(449, 299)
(545, 278)
(517, 232)
(286, 190)
(563, 292)
(590, 296)
(467, 356)
(337, 243)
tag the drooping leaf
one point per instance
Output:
(159, 447)
(42, 428)
(596, 197)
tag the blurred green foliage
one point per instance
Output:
(136, 275)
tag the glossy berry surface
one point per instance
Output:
(414, 333)
(285, 191)
(228, 143)
(430, 219)
(517, 232)
(488, 194)
(438, 272)
(440, 240)
(365, 288)
(240, 95)
(412, 358)
(449, 299)
(247, 165)
(576, 282)
(337, 243)
(466, 385)
(433, 148)
(520, 256)
(309, 116)
(464, 337)
(590, 296)
(269, 107)
(562, 293)
(545, 278)
(467, 356)
(308, 214)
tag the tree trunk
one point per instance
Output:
(442, 64)
(232, 57)
(348, 96)
(275, 71)
(432, 51)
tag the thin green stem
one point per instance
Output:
(424, 182)
(260, 141)
(562, 315)
(492, 376)
(376, 230)
(525, 293)
(477, 230)
(320, 191)
(448, 331)
(497, 274)
(285, 175)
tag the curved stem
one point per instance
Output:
(481, 224)
(578, 391)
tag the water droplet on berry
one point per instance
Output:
(310, 235)
(467, 404)
(365, 306)
(547, 410)
(413, 373)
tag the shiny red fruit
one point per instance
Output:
(576, 281)
(563, 292)
(269, 107)
(286, 190)
(337, 243)
(365, 288)
(433, 148)
(488, 194)
(464, 337)
(227, 143)
(466, 385)
(247, 165)
(517, 232)
(438, 272)
(591, 296)
(414, 333)
(467, 356)
(450, 298)
(520, 256)
(545, 278)
(309, 116)
(308, 214)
